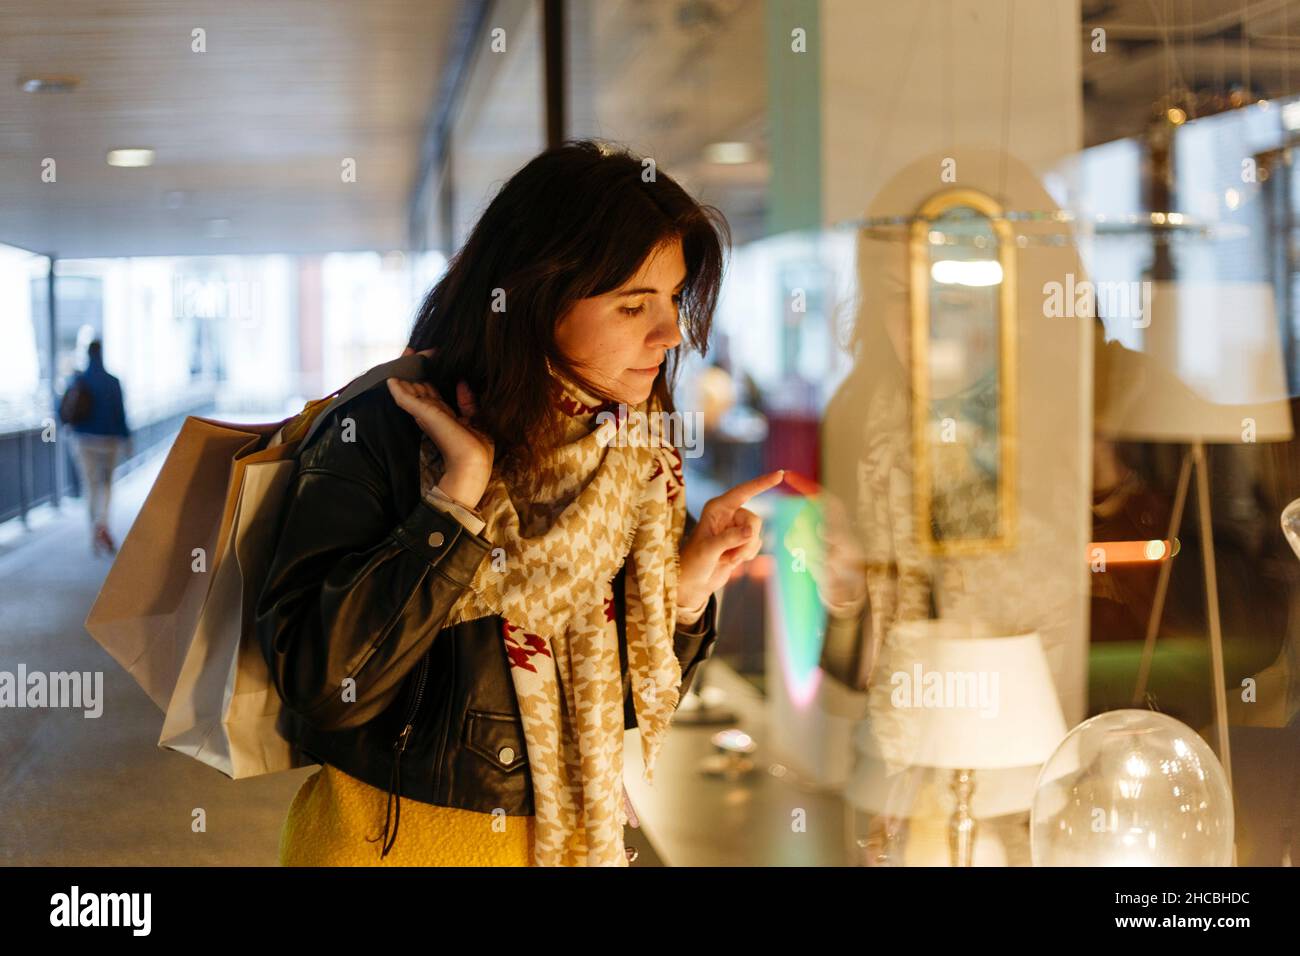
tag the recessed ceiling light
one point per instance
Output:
(729, 154)
(48, 84)
(134, 156)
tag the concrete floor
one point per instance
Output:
(77, 791)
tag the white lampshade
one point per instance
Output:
(985, 702)
(1211, 359)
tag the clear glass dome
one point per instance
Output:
(1132, 788)
(1291, 525)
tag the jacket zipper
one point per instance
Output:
(399, 746)
(419, 693)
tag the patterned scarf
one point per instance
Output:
(598, 503)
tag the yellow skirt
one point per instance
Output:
(333, 814)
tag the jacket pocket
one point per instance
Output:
(497, 738)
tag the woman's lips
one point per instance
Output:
(652, 370)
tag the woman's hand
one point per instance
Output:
(726, 537)
(466, 452)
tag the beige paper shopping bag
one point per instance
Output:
(189, 638)
(224, 708)
(145, 613)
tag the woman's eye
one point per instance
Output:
(637, 310)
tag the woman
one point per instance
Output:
(464, 601)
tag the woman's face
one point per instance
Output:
(620, 339)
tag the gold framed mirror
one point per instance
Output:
(963, 328)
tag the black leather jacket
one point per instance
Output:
(363, 577)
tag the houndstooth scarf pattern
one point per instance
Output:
(597, 504)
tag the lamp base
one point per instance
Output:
(962, 826)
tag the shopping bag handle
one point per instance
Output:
(409, 368)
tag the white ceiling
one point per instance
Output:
(254, 130)
(669, 77)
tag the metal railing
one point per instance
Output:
(31, 474)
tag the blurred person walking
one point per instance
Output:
(92, 406)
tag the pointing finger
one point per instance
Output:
(738, 495)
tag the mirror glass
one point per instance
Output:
(964, 378)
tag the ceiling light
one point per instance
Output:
(729, 154)
(134, 156)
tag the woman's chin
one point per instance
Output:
(634, 393)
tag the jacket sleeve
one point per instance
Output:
(694, 645)
(357, 592)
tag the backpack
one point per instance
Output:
(77, 403)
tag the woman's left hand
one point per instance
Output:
(726, 537)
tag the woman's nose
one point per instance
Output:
(667, 332)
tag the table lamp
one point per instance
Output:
(1210, 371)
(872, 790)
(988, 703)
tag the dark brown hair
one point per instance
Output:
(577, 221)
